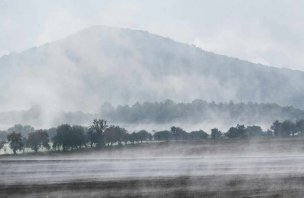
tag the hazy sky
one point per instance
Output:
(264, 31)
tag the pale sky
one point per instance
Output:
(262, 31)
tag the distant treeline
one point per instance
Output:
(199, 111)
(99, 135)
(165, 112)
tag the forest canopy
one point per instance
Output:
(199, 111)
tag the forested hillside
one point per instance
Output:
(122, 66)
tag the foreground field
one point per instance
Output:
(200, 186)
(268, 168)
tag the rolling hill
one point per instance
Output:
(122, 66)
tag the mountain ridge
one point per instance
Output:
(122, 66)
(13, 53)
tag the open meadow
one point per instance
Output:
(227, 168)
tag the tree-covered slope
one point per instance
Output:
(122, 66)
(199, 111)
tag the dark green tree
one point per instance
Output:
(97, 130)
(115, 134)
(133, 138)
(109, 135)
(198, 135)
(3, 135)
(178, 133)
(144, 135)
(15, 141)
(69, 137)
(78, 137)
(236, 132)
(300, 127)
(254, 131)
(284, 129)
(162, 136)
(1, 144)
(52, 132)
(38, 139)
(126, 138)
(63, 137)
(276, 127)
(215, 133)
(288, 128)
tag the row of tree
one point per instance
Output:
(67, 137)
(99, 135)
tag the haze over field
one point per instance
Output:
(225, 169)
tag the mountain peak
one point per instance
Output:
(119, 65)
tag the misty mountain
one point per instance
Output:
(122, 66)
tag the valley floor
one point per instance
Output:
(240, 168)
(202, 186)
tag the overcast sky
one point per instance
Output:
(262, 31)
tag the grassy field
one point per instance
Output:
(227, 168)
